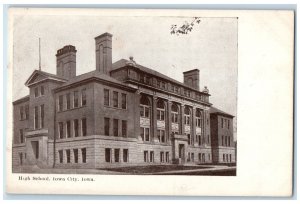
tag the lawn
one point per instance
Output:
(152, 168)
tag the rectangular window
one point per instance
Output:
(222, 122)
(229, 141)
(42, 90)
(124, 101)
(36, 117)
(61, 103)
(161, 135)
(115, 99)
(106, 97)
(21, 158)
(167, 157)
(68, 129)
(75, 99)
(192, 155)
(116, 127)
(223, 157)
(160, 115)
(68, 97)
(147, 134)
(106, 126)
(26, 111)
(222, 140)
(83, 97)
(61, 130)
(76, 128)
(83, 127)
(229, 157)
(21, 113)
(36, 92)
(189, 139)
(228, 124)
(21, 136)
(125, 155)
(124, 128)
(61, 156)
(161, 157)
(146, 156)
(117, 155)
(151, 156)
(68, 153)
(107, 154)
(142, 133)
(83, 152)
(42, 116)
(75, 155)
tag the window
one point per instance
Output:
(124, 128)
(83, 97)
(75, 99)
(226, 157)
(68, 129)
(161, 135)
(36, 92)
(68, 101)
(229, 141)
(189, 139)
(229, 157)
(198, 118)
(68, 153)
(75, 155)
(117, 155)
(21, 113)
(115, 99)
(208, 157)
(174, 113)
(192, 157)
(21, 158)
(106, 97)
(199, 157)
(144, 107)
(203, 157)
(222, 140)
(60, 103)
(199, 139)
(187, 116)
(161, 157)
(223, 157)
(222, 122)
(83, 152)
(125, 155)
(61, 130)
(146, 156)
(208, 141)
(61, 156)
(83, 126)
(42, 90)
(42, 116)
(36, 117)
(106, 126)
(116, 127)
(21, 136)
(107, 155)
(124, 101)
(76, 127)
(145, 133)
(167, 157)
(26, 111)
(160, 110)
(151, 156)
(228, 124)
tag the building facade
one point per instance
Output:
(120, 114)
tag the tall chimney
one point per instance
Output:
(191, 78)
(104, 53)
(66, 62)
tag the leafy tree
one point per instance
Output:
(186, 28)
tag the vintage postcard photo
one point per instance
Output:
(105, 96)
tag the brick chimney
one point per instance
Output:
(66, 62)
(191, 78)
(104, 53)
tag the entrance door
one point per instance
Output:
(35, 149)
(181, 153)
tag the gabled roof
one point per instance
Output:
(214, 110)
(41, 75)
(123, 62)
(92, 75)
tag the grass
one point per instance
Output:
(152, 168)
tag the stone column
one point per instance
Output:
(64, 156)
(182, 120)
(153, 122)
(168, 121)
(193, 125)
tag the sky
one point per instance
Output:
(211, 47)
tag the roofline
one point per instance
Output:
(191, 71)
(104, 34)
(178, 83)
(47, 76)
(20, 100)
(224, 114)
(91, 79)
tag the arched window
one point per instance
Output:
(160, 110)
(187, 116)
(174, 113)
(144, 107)
(198, 118)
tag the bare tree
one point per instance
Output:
(186, 28)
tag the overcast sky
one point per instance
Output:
(211, 47)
